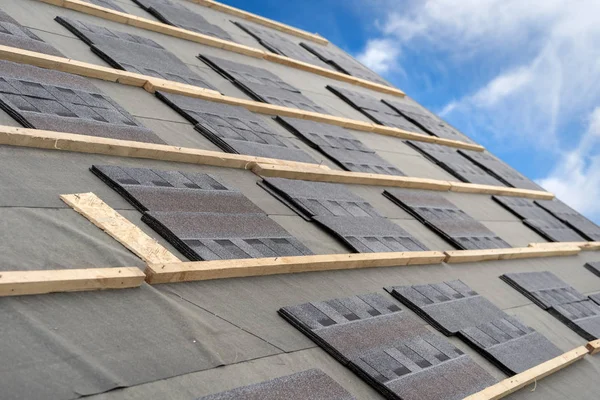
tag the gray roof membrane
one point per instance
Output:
(311, 384)
(447, 220)
(391, 350)
(451, 161)
(278, 44)
(14, 34)
(262, 85)
(427, 121)
(176, 14)
(199, 215)
(339, 145)
(543, 288)
(45, 99)
(107, 4)
(572, 218)
(500, 170)
(133, 53)
(374, 109)
(455, 309)
(343, 62)
(234, 129)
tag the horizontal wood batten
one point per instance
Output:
(519, 381)
(119, 228)
(220, 269)
(463, 187)
(594, 347)
(360, 178)
(261, 20)
(154, 26)
(18, 283)
(582, 245)
(465, 256)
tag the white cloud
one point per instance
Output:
(380, 55)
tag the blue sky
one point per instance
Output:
(519, 76)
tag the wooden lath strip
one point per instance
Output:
(129, 235)
(594, 347)
(154, 26)
(466, 256)
(151, 85)
(261, 20)
(359, 178)
(221, 269)
(18, 283)
(519, 381)
(582, 245)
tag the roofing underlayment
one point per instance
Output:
(268, 219)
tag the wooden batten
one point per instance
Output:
(465, 256)
(118, 227)
(519, 381)
(19, 283)
(463, 187)
(585, 246)
(221, 269)
(593, 347)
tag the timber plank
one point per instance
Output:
(464, 256)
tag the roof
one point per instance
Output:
(190, 339)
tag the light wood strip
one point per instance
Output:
(41, 139)
(519, 381)
(586, 246)
(121, 229)
(594, 347)
(465, 256)
(262, 20)
(154, 26)
(463, 187)
(221, 269)
(18, 283)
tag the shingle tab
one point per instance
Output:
(56, 101)
(455, 309)
(14, 34)
(311, 384)
(343, 62)
(391, 350)
(106, 4)
(340, 146)
(572, 218)
(594, 267)
(554, 231)
(133, 53)
(235, 129)
(450, 160)
(176, 14)
(262, 85)
(447, 220)
(582, 317)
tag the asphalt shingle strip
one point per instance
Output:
(451, 161)
(572, 218)
(447, 220)
(582, 317)
(234, 129)
(14, 34)
(177, 15)
(455, 309)
(56, 101)
(343, 62)
(340, 146)
(200, 215)
(594, 267)
(311, 384)
(106, 4)
(262, 85)
(133, 53)
(391, 350)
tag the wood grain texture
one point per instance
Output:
(118, 227)
(586, 246)
(465, 256)
(519, 381)
(594, 347)
(18, 283)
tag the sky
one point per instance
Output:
(521, 77)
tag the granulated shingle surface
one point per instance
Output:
(343, 62)
(594, 267)
(311, 384)
(14, 34)
(340, 146)
(595, 298)
(583, 317)
(455, 309)
(391, 350)
(450, 160)
(133, 53)
(523, 208)
(45, 99)
(572, 218)
(554, 231)
(177, 15)
(447, 220)
(106, 4)
(235, 129)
